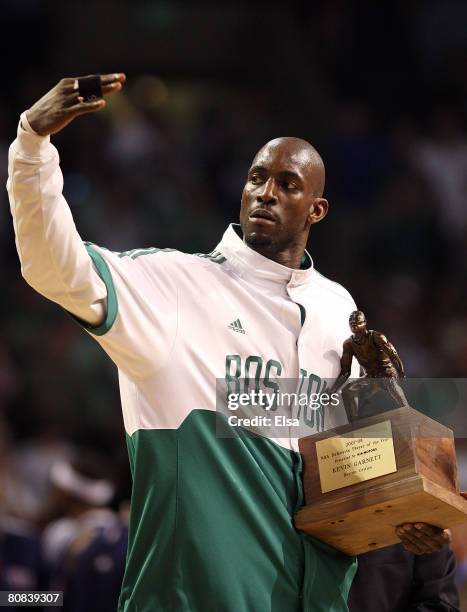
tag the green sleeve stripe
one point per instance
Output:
(112, 303)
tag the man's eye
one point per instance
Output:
(255, 179)
(289, 185)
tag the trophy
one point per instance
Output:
(363, 479)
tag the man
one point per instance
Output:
(211, 524)
(382, 365)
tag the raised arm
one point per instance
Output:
(54, 260)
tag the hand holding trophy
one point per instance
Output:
(380, 477)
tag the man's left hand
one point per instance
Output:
(423, 539)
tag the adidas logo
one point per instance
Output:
(237, 326)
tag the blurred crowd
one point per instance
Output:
(379, 88)
(61, 527)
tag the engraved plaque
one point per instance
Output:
(345, 460)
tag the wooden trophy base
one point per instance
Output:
(362, 516)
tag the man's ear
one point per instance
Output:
(318, 210)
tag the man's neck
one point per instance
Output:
(290, 258)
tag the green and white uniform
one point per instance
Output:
(211, 525)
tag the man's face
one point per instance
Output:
(279, 201)
(358, 325)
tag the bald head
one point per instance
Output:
(300, 153)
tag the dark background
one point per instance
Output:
(378, 87)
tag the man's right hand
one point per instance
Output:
(63, 103)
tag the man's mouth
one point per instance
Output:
(263, 215)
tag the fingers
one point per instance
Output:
(75, 103)
(83, 107)
(111, 88)
(410, 543)
(436, 534)
(411, 540)
(110, 83)
(108, 79)
(435, 537)
(420, 538)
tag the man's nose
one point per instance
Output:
(268, 193)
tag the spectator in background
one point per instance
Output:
(84, 549)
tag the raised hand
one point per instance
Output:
(63, 103)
